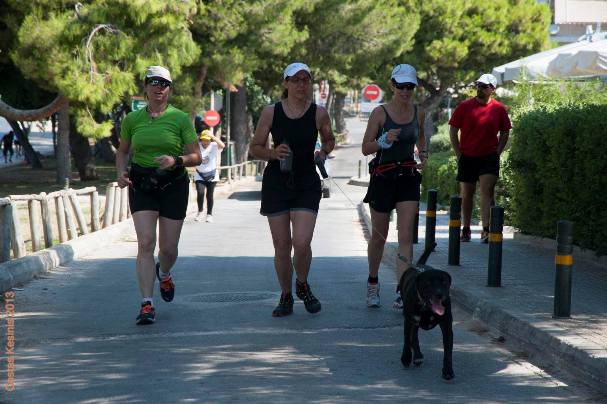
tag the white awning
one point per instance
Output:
(575, 60)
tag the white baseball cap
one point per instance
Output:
(404, 73)
(158, 71)
(293, 68)
(488, 79)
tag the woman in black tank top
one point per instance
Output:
(393, 132)
(291, 188)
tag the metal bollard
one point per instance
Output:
(496, 227)
(564, 266)
(431, 219)
(360, 164)
(455, 223)
(415, 239)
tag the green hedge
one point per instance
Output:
(439, 174)
(558, 170)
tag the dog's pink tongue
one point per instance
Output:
(437, 307)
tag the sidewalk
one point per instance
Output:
(521, 309)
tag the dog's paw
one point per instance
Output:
(448, 374)
(405, 359)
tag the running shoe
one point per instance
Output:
(303, 292)
(167, 287)
(198, 217)
(373, 295)
(285, 306)
(466, 235)
(398, 303)
(484, 237)
(147, 314)
(209, 218)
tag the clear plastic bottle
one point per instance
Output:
(286, 164)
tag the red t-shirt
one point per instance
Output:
(479, 125)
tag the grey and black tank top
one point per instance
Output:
(402, 150)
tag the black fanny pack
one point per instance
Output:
(150, 179)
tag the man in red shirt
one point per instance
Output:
(479, 120)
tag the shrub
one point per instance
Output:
(557, 171)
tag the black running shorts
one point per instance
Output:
(275, 202)
(386, 190)
(170, 202)
(470, 168)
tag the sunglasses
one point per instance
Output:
(484, 86)
(159, 83)
(404, 86)
(297, 80)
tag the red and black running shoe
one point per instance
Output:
(147, 314)
(167, 287)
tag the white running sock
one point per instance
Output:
(146, 300)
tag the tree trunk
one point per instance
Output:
(105, 150)
(82, 154)
(338, 111)
(64, 163)
(54, 118)
(429, 105)
(198, 83)
(240, 125)
(28, 151)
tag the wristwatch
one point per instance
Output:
(178, 161)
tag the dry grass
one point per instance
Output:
(23, 180)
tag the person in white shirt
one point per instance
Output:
(210, 147)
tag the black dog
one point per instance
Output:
(425, 294)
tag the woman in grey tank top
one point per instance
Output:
(393, 133)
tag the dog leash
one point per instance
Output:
(399, 255)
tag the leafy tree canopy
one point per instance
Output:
(96, 54)
(458, 40)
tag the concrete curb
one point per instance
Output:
(361, 182)
(21, 270)
(549, 243)
(542, 346)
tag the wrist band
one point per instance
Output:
(178, 161)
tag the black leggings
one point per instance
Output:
(200, 186)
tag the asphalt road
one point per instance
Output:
(76, 338)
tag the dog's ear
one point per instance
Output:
(448, 277)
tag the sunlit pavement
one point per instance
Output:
(76, 338)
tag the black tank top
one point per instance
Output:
(301, 134)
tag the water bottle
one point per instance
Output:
(286, 164)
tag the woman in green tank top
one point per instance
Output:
(393, 133)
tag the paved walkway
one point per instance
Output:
(76, 340)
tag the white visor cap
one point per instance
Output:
(158, 71)
(488, 79)
(293, 68)
(404, 73)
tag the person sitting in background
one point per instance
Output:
(210, 147)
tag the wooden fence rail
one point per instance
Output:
(69, 216)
